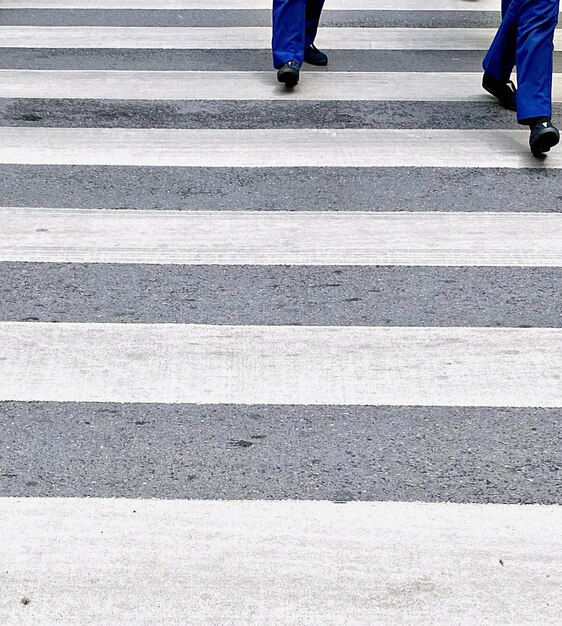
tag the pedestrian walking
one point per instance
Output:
(295, 23)
(525, 40)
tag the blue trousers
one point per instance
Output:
(525, 39)
(295, 23)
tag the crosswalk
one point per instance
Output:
(241, 38)
(262, 148)
(267, 356)
(341, 5)
(194, 85)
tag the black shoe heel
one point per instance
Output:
(543, 140)
(289, 74)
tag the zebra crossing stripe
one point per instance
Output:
(200, 85)
(279, 238)
(271, 148)
(203, 364)
(334, 5)
(242, 38)
(133, 560)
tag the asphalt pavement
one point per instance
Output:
(88, 328)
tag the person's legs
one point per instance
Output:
(535, 47)
(288, 31)
(312, 17)
(500, 59)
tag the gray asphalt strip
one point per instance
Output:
(281, 452)
(244, 60)
(80, 113)
(315, 296)
(371, 189)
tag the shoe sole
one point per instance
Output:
(288, 76)
(544, 141)
(506, 105)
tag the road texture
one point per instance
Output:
(273, 357)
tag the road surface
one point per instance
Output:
(273, 357)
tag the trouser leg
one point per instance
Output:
(288, 31)
(500, 59)
(535, 48)
(312, 19)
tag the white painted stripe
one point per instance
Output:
(271, 148)
(156, 561)
(198, 85)
(339, 5)
(280, 238)
(236, 38)
(175, 363)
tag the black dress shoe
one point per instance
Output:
(289, 73)
(313, 56)
(544, 136)
(505, 92)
